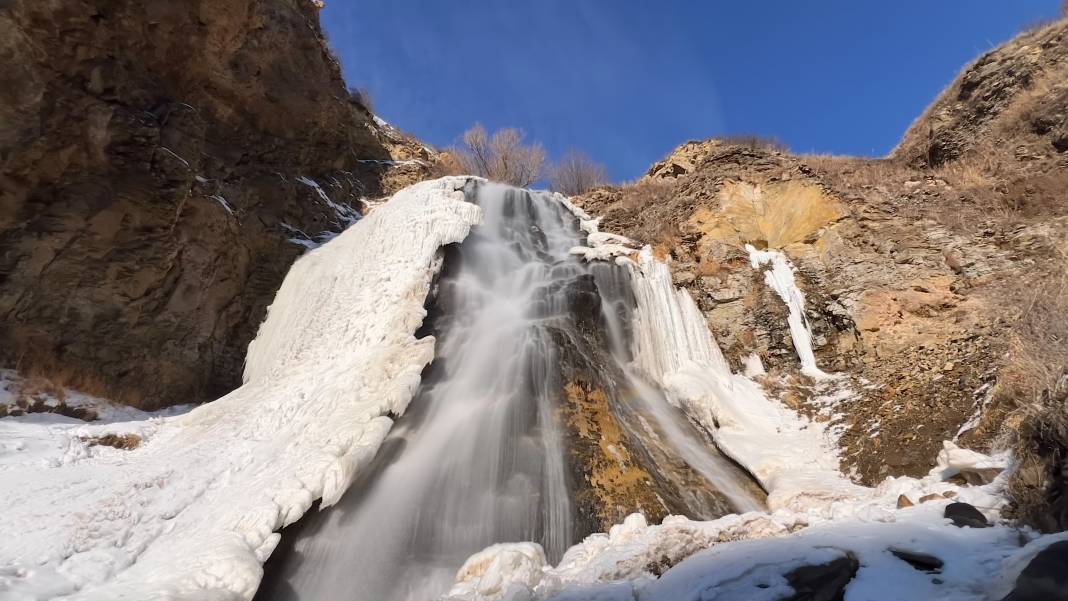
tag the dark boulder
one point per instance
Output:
(964, 515)
(823, 582)
(921, 561)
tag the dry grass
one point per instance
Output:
(446, 163)
(645, 193)
(756, 142)
(58, 376)
(35, 387)
(856, 172)
(1035, 381)
(125, 442)
(646, 198)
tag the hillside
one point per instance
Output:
(933, 278)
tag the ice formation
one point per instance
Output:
(780, 278)
(194, 511)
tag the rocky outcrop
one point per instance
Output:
(161, 165)
(1014, 95)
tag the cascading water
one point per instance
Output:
(482, 456)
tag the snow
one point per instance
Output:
(780, 278)
(754, 367)
(193, 511)
(393, 163)
(983, 396)
(222, 201)
(41, 440)
(952, 460)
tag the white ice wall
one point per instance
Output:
(194, 511)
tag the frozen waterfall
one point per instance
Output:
(481, 456)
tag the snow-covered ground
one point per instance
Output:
(192, 512)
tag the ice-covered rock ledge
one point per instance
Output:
(793, 458)
(193, 512)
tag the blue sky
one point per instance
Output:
(627, 80)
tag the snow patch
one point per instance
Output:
(345, 214)
(222, 201)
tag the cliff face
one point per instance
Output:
(161, 165)
(924, 284)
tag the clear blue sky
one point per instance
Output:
(628, 80)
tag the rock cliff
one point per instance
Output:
(161, 165)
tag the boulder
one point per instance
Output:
(921, 561)
(823, 582)
(964, 515)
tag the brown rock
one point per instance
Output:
(150, 154)
(903, 501)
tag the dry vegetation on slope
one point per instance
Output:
(935, 278)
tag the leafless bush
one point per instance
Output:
(576, 174)
(362, 97)
(502, 157)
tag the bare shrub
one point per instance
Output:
(576, 174)
(502, 157)
(362, 97)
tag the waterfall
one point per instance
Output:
(482, 455)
